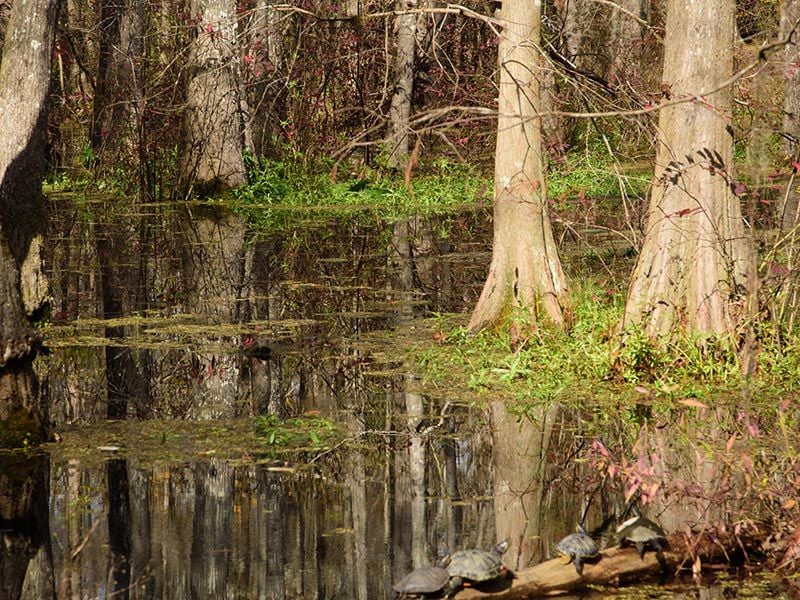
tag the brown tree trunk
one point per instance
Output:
(24, 83)
(213, 239)
(693, 266)
(790, 15)
(626, 37)
(525, 271)
(213, 157)
(788, 210)
(26, 560)
(266, 90)
(405, 35)
(577, 17)
(119, 90)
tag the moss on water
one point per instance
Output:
(235, 440)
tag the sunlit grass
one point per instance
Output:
(589, 363)
(279, 193)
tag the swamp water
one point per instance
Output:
(357, 477)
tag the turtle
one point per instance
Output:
(424, 580)
(475, 565)
(642, 532)
(577, 547)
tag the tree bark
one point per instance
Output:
(119, 90)
(264, 76)
(24, 85)
(626, 36)
(26, 560)
(576, 17)
(790, 16)
(525, 272)
(213, 158)
(693, 267)
(405, 35)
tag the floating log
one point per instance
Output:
(615, 565)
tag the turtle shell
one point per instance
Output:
(640, 530)
(579, 545)
(425, 580)
(476, 564)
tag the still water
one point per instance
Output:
(183, 496)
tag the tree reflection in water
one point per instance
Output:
(215, 529)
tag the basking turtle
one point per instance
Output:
(475, 565)
(425, 580)
(577, 547)
(642, 532)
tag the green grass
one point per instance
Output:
(307, 433)
(284, 194)
(580, 176)
(589, 363)
(279, 194)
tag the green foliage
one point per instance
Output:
(280, 193)
(594, 363)
(587, 176)
(545, 367)
(297, 433)
(639, 358)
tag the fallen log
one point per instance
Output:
(614, 566)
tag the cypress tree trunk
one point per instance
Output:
(525, 271)
(214, 128)
(405, 35)
(24, 82)
(694, 262)
(790, 14)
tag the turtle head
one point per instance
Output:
(501, 548)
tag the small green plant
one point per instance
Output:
(639, 358)
(297, 433)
